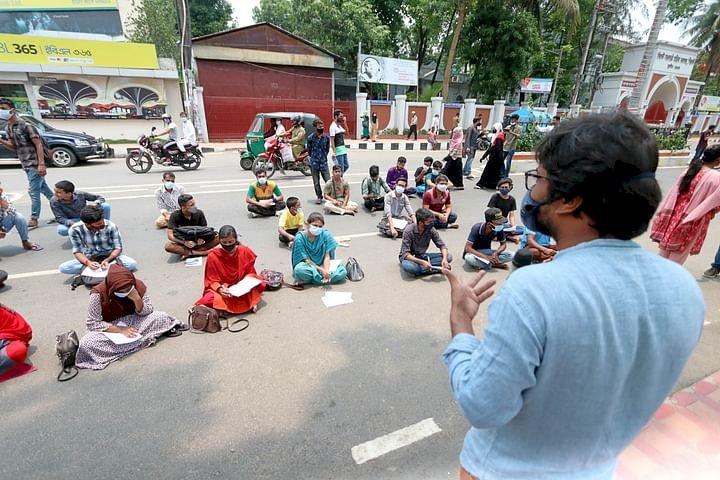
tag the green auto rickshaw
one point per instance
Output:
(263, 126)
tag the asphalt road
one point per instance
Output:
(287, 398)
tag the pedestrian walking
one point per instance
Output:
(318, 147)
(337, 141)
(513, 132)
(413, 126)
(471, 137)
(703, 142)
(682, 221)
(365, 127)
(535, 391)
(457, 136)
(373, 126)
(25, 140)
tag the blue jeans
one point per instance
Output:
(18, 221)
(342, 160)
(413, 268)
(508, 162)
(452, 218)
(62, 230)
(716, 263)
(467, 169)
(36, 186)
(73, 267)
(477, 262)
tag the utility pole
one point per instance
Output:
(586, 49)
(357, 77)
(596, 80)
(557, 69)
(188, 76)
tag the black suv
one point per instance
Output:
(68, 147)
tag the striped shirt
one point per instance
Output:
(95, 243)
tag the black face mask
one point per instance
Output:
(320, 130)
(229, 248)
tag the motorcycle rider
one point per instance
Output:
(173, 132)
(188, 129)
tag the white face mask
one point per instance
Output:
(315, 230)
(435, 172)
(124, 294)
(169, 185)
(399, 190)
(262, 180)
(442, 187)
(5, 115)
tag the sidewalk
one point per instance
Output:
(682, 441)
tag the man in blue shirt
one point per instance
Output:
(478, 252)
(578, 353)
(318, 147)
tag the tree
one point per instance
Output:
(155, 21)
(642, 79)
(210, 16)
(705, 33)
(336, 26)
(501, 49)
(462, 8)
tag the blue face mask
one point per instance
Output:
(498, 228)
(504, 191)
(529, 210)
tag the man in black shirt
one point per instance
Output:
(508, 206)
(187, 216)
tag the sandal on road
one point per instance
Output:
(34, 247)
(32, 224)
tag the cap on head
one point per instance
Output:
(495, 216)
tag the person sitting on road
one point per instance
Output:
(188, 216)
(166, 198)
(264, 197)
(67, 204)
(121, 305)
(420, 174)
(414, 258)
(291, 222)
(437, 200)
(96, 243)
(10, 218)
(337, 194)
(478, 252)
(15, 336)
(507, 204)
(374, 189)
(432, 176)
(397, 207)
(312, 251)
(227, 265)
(541, 246)
(399, 171)
(297, 136)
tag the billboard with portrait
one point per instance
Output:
(102, 22)
(394, 71)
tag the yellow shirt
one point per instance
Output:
(290, 222)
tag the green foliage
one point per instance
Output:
(499, 43)
(613, 58)
(671, 139)
(529, 140)
(680, 11)
(210, 16)
(336, 26)
(155, 21)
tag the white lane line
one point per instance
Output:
(392, 441)
(40, 273)
(235, 190)
(340, 238)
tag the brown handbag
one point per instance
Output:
(204, 319)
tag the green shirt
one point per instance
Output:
(259, 192)
(337, 190)
(377, 188)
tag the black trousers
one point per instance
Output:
(316, 180)
(376, 203)
(291, 231)
(412, 132)
(266, 211)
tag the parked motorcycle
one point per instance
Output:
(273, 159)
(140, 160)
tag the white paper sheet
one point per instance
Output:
(99, 273)
(244, 286)
(193, 262)
(334, 264)
(333, 299)
(120, 339)
(399, 223)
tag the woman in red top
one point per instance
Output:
(15, 336)
(682, 220)
(227, 265)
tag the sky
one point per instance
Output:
(243, 15)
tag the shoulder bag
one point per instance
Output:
(202, 319)
(66, 347)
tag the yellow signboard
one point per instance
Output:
(39, 5)
(76, 53)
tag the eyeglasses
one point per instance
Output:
(532, 177)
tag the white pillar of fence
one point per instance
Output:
(436, 108)
(552, 109)
(498, 112)
(400, 113)
(469, 113)
(361, 106)
(575, 110)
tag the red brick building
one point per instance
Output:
(263, 68)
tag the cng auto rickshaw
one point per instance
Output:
(255, 137)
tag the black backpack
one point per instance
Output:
(66, 347)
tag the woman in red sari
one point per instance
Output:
(15, 336)
(683, 218)
(226, 265)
